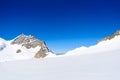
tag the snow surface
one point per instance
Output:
(104, 66)
(98, 62)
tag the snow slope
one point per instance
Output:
(104, 66)
(104, 46)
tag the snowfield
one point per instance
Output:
(104, 66)
(98, 62)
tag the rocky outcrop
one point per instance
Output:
(18, 51)
(117, 33)
(40, 54)
(31, 42)
(28, 41)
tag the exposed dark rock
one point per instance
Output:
(18, 51)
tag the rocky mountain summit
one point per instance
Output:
(31, 42)
(117, 33)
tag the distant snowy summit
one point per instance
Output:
(23, 47)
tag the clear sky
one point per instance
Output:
(63, 24)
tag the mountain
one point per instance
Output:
(23, 47)
(108, 44)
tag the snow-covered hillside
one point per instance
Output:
(104, 46)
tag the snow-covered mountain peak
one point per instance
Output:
(28, 41)
(23, 47)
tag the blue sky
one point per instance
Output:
(63, 24)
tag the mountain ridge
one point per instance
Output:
(117, 33)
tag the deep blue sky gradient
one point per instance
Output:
(63, 24)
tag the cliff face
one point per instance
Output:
(31, 42)
(117, 33)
